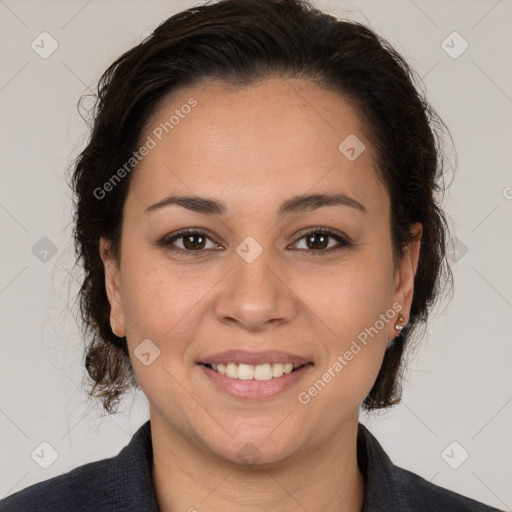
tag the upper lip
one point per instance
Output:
(254, 358)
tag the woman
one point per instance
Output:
(257, 219)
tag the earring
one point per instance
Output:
(399, 327)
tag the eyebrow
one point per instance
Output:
(296, 204)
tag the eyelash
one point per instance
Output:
(167, 241)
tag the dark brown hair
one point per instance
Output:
(239, 42)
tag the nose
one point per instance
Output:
(255, 296)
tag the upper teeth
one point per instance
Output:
(248, 371)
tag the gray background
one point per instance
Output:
(458, 387)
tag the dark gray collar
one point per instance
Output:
(379, 473)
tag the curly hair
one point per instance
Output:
(239, 42)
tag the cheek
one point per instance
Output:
(150, 301)
(354, 312)
(160, 308)
(162, 305)
(352, 296)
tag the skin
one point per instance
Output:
(253, 148)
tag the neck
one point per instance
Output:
(189, 477)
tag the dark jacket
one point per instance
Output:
(124, 483)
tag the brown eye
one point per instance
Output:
(193, 242)
(189, 242)
(319, 241)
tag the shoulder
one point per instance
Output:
(122, 482)
(420, 495)
(390, 487)
(70, 491)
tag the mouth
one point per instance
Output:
(251, 375)
(260, 372)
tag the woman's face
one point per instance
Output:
(253, 288)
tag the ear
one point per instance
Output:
(113, 288)
(404, 276)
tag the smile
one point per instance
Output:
(242, 371)
(261, 381)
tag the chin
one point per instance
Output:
(257, 445)
(258, 455)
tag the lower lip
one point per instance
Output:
(257, 389)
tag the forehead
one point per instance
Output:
(279, 137)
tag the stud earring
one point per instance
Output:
(399, 327)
